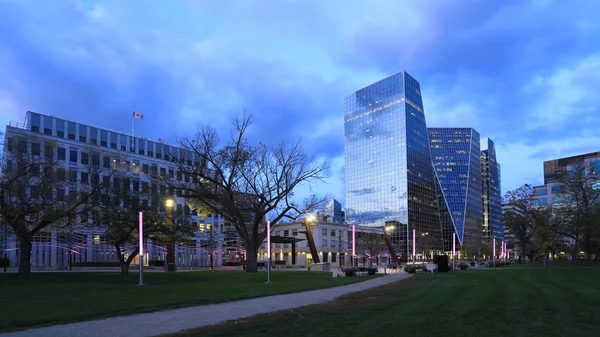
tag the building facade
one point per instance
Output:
(333, 242)
(491, 194)
(457, 163)
(332, 212)
(550, 193)
(389, 173)
(73, 146)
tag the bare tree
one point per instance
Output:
(518, 219)
(247, 184)
(578, 217)
(33, 193)
(370, 244)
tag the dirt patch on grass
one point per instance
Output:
(370, 297)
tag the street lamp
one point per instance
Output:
(170, 258)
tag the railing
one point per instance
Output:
(18, 125)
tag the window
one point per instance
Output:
(62, 153)
(201, 227)
(71, 130)
(145, 187)
(61, 174)
(163, 172)
(136, 166)
(36, 149)
(333, 257)
(73, 176)
(9, 144)
(106, 162)
(48, 131)
(145, 168)
(324, 242)
(116, 164)
(60, 134)
(332, 243)
(60, 194)
(541, 191)
(123, 148)
(73, 155)
(126, 164)
(325, 257)
(286, 232)
(171, 173)
(49, 151)
(95, 160)
(332, 232)
(85, 178)
(294, 232)
(85, 158)
(324, 232)
(136, 185)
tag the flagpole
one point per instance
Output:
(132, 127)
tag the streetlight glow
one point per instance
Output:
(169, 203)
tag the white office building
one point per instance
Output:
(74, 146)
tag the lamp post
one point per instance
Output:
(268, 252)
(353, 245)
(141, 247)
(170, 258)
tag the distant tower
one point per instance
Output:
(456, 160)
(491, 195)
(332, 212)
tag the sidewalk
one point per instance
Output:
(171, 321)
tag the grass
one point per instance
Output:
(52, 298)
(518, 302)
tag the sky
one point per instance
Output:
(524, 73)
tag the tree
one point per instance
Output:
(370, 244)
(578, 216)
(470, 251)
(246, 183)
(118, 215)
(518, 219)
(544, 237)
(35, 193)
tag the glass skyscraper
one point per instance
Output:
(389, 173)
(457, 164)
(491, 198)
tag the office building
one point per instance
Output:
(491, 195)
(456, 160)
(389, 173)
(550, 193)
(74, 145)
(332, 212)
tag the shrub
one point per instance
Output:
(96, 264)
(156, 263)
(410, 269)
(4, 262)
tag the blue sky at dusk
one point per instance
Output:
(524, 73)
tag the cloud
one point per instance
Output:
(523, 82)
(569, 93)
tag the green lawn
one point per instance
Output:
(51, 298)
(518, 302)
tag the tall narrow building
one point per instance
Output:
(389, 173)
(491, 198)
(457, 164)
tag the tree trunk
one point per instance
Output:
(251, 259)
(124, 268)
(25, 260)
(211, 260)
(545, 260)
(522, 252)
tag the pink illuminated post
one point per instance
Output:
(453, 251)
(268, 251)
(353, 244)
(414, 244)
(494, 250)
(141, 247)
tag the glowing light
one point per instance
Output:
(414, 242)
(141, 238)
(494, 245)
(453, 245)
(169, 203)
(353, 240)
(268, 239)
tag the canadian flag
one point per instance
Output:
(137, 115)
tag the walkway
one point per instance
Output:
(171, 321)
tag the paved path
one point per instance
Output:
(171, 321)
